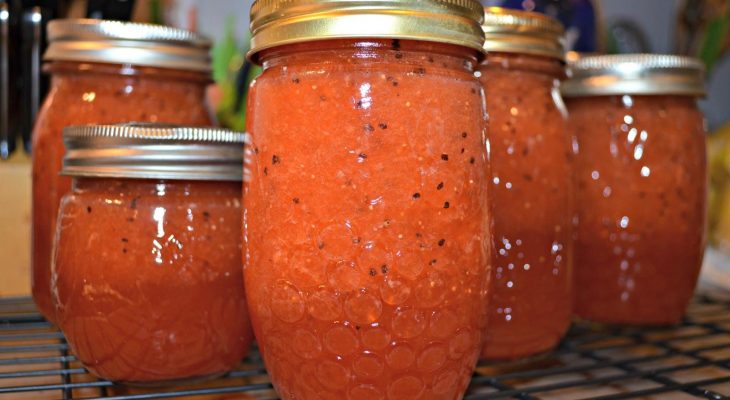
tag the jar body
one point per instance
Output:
(531, 190)
(641, 194)
(96, 94)
(366, 227)
(147, 278)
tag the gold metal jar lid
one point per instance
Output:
(153, 151)
(524, 32)
(280, 22)
(116, 42)
(639, 74)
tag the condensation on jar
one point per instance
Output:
(94, 81)
(147, 275)
(640, 186)
(366, 219)
(530, 184)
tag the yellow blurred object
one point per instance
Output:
(15, 178)
(718, 150)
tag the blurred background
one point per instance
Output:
(700, 28)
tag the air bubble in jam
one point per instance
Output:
(341, 340)
(432, 358)
(287, 302)
(431, 290)
(365, 392)
(306, 344)
(408, 322)
(406, 388)
(375, 338)
(344, 275)
(400, 356)
(324, 305)
(329, 241)
(394, 291)
(363, 308)
(443, 324)
(333, 375)
(368, 366)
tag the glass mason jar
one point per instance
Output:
(531, 184)
(147, 276)
(94, 80)
(366, 221)
(640, 186)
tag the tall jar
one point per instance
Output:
(107, 72)
(530, 184)
(641, 186)
(147, 278)
(366, 220)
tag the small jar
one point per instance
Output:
(366, 222)
(147, 277)
(641, 186)
(107, 72)
(530, 184)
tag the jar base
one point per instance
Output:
(517, 357)
(525, 349)
(171, 382)
(45, 309)
(491, 367)
(603, 324)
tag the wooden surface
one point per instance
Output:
(15, 195)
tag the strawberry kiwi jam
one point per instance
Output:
(530, 184)
(366, 222)
(641, 190)
(531, 178)
(91, 84)
(641, 186)
(147, 279)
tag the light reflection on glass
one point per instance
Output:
(365, 100)
(627, 101)
(88, 97)
(638, 152)
(158, 215)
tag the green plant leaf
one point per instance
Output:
(156, 16)
(224, 51)
(713, 41)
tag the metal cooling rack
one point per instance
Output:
(688, 361)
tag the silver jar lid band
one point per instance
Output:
(639, 74)
(153, 151)
(116, 42)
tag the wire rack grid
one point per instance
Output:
(687, 361)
